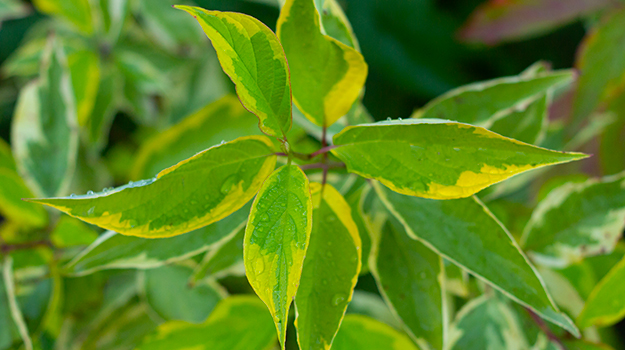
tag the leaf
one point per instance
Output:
(496, 21)
(364, 333)
(487, 323)
(237, 323)
(77, 12)
(223, 260)
(466, 233)
(11, 9)
(12, 190)
(354, 203)
(576, 221)
(276, 239)
(410, 277)
(335, 24)
(99, 122)
(437, 159)
(528, 125)
(168, 27)
(44, 131)
(606, 304)
(224, 119)
(601, 61)
(84, 66)
(17, 317)
(8, 330)
(194, 193)
(115, 251)
(330, 270)
(371, 305)
(253, 58)
(169, 294)
(327, 74)
(70, 232)
(484, 102)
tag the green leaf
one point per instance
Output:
(327, 74)
(84, 66)
(12, 190)
(17, 316)
(170, 28)
(115, 251)
(276, 239)
(577, 220)
(606, 304)
(335, 24)
(410, 276)
(354, 203)
(372, 305)
(224, 119)
(466, 233)
(487, 323)
(223, 260)
(71, 232)
(104, 109)
(77, 12)
(8, 330)
(11, 9)
(237, 323)
(364, 333)
(602, 65)
(44, 130)
(495, 22)
(253, 58)
(484, 102)
(528, 125)
(330, 270)
(169, 294)
(437, 159)
(194, 193)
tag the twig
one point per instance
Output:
(7, 248)
(332, 165)
(543, 327)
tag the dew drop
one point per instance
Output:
(222, 142)
(456, 149)
(400, 119)
(227, 185)
(89, 193)
(337, 299)
(73, 195)
(90, 211)
(132, 223)
(388, 119)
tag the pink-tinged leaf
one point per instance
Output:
(497, 21)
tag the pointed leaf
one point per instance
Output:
(115, 251)
(528, 125)
(364, 333)
(437, 159)
(577, 220)
(482, 103)
(335, 23)
(252, 56)
(194, 193)
(276, 239)
(410, 276)
(466, 233)
(12, 190)
(330, 270)
(237, 323)
(223, 260)
(44, 130)
(84, 66)
(327, 74)
(606, 304)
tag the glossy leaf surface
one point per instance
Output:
(364, 333)
(466, 233)
(606, 304)
(194, 193)
(437, 159)
(577, 220)
(237, 323)
(252, 56)
(410, 276)
(330, 270)
(276, 240)
(327, 74)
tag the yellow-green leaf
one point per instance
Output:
(194, 193)
(438, 159)
(606, 304)
(327, 74)
(330, 271)
(78, 12)
(253, 58)
(364, 333)
(276, 239)
(84, 66)
(71, 232)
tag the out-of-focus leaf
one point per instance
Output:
(77, 12)
(11, 9)
(276, 240)
(437, 159)
(237, 323)
(223, 260)
(364, 333)
(12, 190)
(330, 271)
(606, 304)
(71, 232)
(410, 277)
(168, 27)
(253, 58)
(327, 74)
(8, 330)
(372, 305)
(44, 131)
(486, 323)
(194, 193)
(222, 120)
(103, 111)
(497, 21)
(84, 67)
(602, 65)
(577, 220)
(169, 294)
(8, 283)
(563, 291)
(365, 240)
(466, 233)
(528, 125)
(115, 251)
(484, 102)
(113, 14)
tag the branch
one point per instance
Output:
(545, 328)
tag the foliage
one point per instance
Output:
(473, 222)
